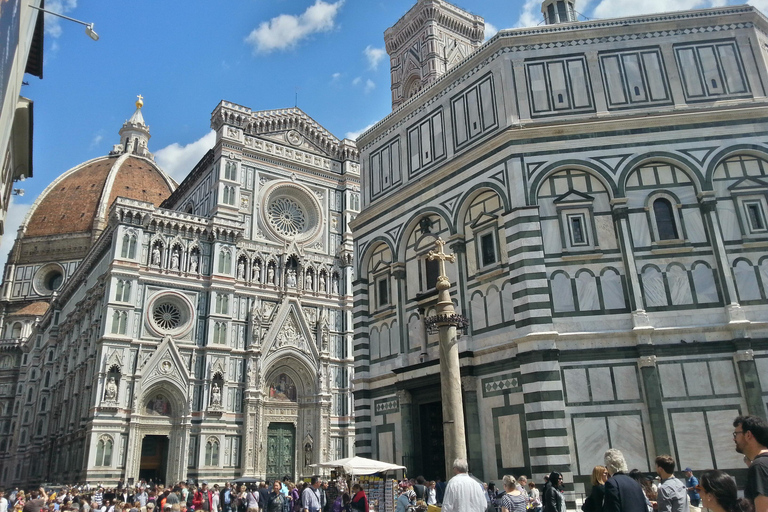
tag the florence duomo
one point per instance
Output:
(587, 195)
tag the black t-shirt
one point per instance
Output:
(420, 491)
(757, 478)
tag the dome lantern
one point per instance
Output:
(559, 11)
(134, 134)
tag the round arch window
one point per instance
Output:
(170, 314)
(291, 212)
(48, 279)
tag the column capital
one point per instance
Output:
(744, 355)
(469, 383)
(647, 361)
(619, 208)
(707, 204)
(458, 245)
(404, 397)
(398, 270)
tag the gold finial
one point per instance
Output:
(140, 101)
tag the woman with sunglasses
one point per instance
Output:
(554, 501)
(718, 493)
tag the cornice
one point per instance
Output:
(444, 14)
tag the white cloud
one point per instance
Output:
(354, 135)
(178, 160)
(53, 23)
(357, 80)
(374, 56)
(335, 76)
(13, 219)
(760, 4)
(96, 140)
(286, 30)
(369, 86)
(531, 14)
(622, 8)
(490, 30)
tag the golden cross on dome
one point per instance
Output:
(140, 101)
(441, 256)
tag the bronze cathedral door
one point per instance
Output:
(281, 450)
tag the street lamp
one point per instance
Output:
(88, 26)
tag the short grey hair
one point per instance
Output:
(461, 465)
(509, 482)
(614, 461)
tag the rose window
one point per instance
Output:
(286, 216)
(167, 316)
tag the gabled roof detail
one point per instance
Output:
(573, 196)
(749, 184)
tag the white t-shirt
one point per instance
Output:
(3, 504)
(464, 494)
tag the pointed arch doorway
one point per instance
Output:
(153, 465)
(281, 450)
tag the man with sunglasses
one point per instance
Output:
(750, 434)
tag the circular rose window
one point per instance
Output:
(170, 314)
(291, 212)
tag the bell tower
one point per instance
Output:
(559, 11)
(424, 44)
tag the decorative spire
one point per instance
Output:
(134, 135)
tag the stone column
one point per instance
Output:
(745, 360)
(620, 214)
(446, 322)
(474, 438)
(653, 400)
(406, 426)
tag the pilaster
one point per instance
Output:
(753, 393)
(653, 399)
(406, 428)
(472, 419)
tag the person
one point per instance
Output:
(310, 497)
(432, 493)
(554, 501)
(645, 483)
(672, 495)
(691, 482)
(263, 495)
(406, 499)
(718, 493)
(215, 498)
(276, 499)
(513, 500)
(594, 502)
(534, 498)
(420, 488)
(622, 493)
(359, 500)
(3, 501)
(463, 493)
(252, 498)
(750, 434)
(225, 499)
(202, 498)
(37, 502)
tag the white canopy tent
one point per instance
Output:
(359, 466)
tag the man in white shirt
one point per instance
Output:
(464, 493)
(3, 501)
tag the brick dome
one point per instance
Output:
(79, 200)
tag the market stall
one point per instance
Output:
(371, 475)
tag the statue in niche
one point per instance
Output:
(158, 406)
(241, 270)
(308, 454)
(271, 274)
(321, 282)
(335, 284)
(175, 258)
(256, 272)
(193, 263)
(308, 281)
(110, 391)
(291, 278)
(156, 255)
(215, 395)
(283, 389)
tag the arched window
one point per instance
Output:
(665, 219)
(123, 291)
(129, 247)
(43, 403)
(47, 378)
(104, 451)
(29, 395)
(119, 321)
(222, 304)
(212, 452)
(16, 330)
(225, 262)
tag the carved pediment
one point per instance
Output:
(574, 196)
(748, 184)
(166, 363)
(291, 331)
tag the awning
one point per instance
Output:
(359, 466)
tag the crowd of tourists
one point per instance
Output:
(614, 489)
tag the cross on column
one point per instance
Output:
(441, 256)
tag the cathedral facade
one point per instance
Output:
(200, 330)
(603, 187)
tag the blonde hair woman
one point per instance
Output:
(594, 502)
(513, 500)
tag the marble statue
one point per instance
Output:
(308, 281)
(292, 278)
(215, 395)
(321, 282)
(175, 257)
(110, 392)
(241, 270)
(156, 256)
(256, 272)
(335, 284)
(271, 275)
(193, 263)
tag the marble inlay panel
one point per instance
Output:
(586, 290)
(550, 235)
(638, 223)
(478, 312)
(697, 379)
(415, 332)
(723, 377)
(672, 383)
(704, 283)
(562, 294)
(679, 286)
(690, 432)
(507, 303)
(600, 382)
(386, 443)
(627, 435)
(762, 372)
(746, 281)
(511, 441)
(694, 226)
(653, 288)
(764, 273)
(576, 387)
(591, 440)
(720, 427)
(493, 303)
(626, 383)
(613, 292)
(729, 221)
(606, 234)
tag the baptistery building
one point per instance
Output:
(163, 331)
(602, 185)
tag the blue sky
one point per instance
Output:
(184, 57)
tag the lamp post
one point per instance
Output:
(88, 26)
(446, 321)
